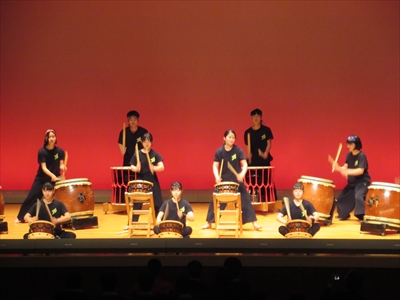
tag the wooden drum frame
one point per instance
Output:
(170, 229)
(298, 229)
(321, 193)
(77, 196)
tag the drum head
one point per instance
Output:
(69, 182)
(136, 182)
(169, 234)
(315, 180)
(226, 183)
(298, 235)
(40, 236)
(385, 186)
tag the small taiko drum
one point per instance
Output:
(140, 186)
(226, 187)
(170, 229)
(321, 193)
(382, 204)
(298, 229)
(77, 196)
(41, 230)
(1, 205)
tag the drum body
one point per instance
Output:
(1, 205)
(298, 229)
(77, 196)
(170, 229)
(226, 187)
(321, 193)
(140, 186)
(41, 230)
(382, 204)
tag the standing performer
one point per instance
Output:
(51, 164)
(299, 209)
(128, 139)
(258, 139)
(133, 135)
(57, 209)
(230, 153)
(169, 210)
(355, 169)
(148, 171)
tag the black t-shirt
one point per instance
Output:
(131, 139)
(52, 159)
(258, 140)
(358, 161)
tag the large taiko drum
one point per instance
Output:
(41, 230)
(226, 187)
(1, 205)
(77, 196)
(321, 193)
(170, 229)
(382, 204)
(140, 186)
(298, 229)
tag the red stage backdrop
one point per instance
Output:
(319, 71)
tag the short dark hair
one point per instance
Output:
(256, 111)
(298, 186)
(147, 136)
(132, 113)
(356, 140)
(176, 185)
(48, 186)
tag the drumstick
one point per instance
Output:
(137, 153)
(166, 212)
(123, 135)
(65, 163)
(303, 209)
(47, 208)
(37, 208)
(248, 147)
(232, 169)
(177, 206)
(148, 159)
(286, 201)
(220, 169)
(337, 157)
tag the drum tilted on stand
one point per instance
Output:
(120, 177)
(170, 229)
(321, 193)
(77, 196)
(298, 229)
(382, 208)
(260, 184)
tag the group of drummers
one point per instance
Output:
(231, 163)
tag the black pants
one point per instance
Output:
(248, 213)
(34, 194)
(352, 197)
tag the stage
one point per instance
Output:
(269, 260)
(338, 244)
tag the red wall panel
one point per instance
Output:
(318, 70)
